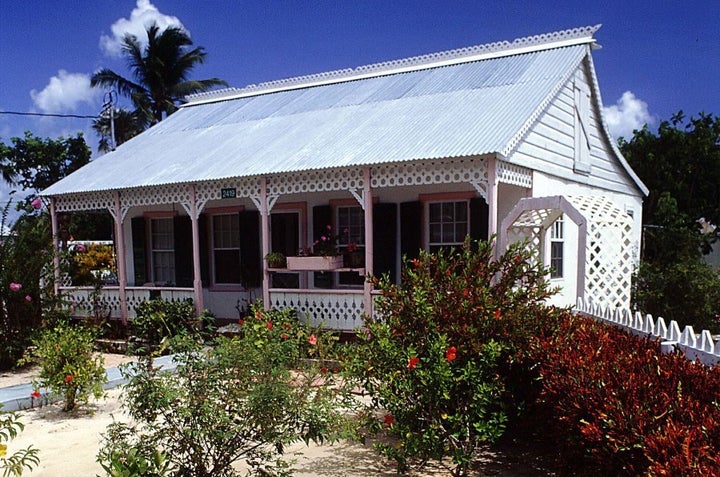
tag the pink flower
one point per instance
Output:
(15, 286)
(80, 248)
(28, 298)
(36, 203)
(312, 340)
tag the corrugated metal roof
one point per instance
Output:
(464, 109)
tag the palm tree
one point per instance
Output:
(127, 124)
(160, 72)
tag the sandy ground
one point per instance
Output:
(69, 443)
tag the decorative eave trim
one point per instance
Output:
(598, 105)
(530, 44)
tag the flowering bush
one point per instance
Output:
(438, 362)
(68, 365)
(618, 404)
(25, 264)
(243, 398)
(92, 264)
(157, 320)
(15, 463)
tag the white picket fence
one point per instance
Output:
(700, 346)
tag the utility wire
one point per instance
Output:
(80, 116)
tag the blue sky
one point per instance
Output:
(656, 57)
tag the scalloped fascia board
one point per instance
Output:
(578, 36)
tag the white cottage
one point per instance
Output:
(506, 138)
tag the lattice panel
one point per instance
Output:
(104, 200)
(532, 234)
(325, 180)
(515, 175)
(81, 305)
(608, 271)
(446, 171)
(332, 311)
(156, 195)
(247, 187)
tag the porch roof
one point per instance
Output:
(463, 103)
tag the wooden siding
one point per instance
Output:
(549, 146)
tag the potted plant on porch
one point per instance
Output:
(323, 256)
(276, 260)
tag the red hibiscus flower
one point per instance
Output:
(68, 379)
(285, 336)
(389, 420)
(269, 325)
(497, 314)
(35, 394)
(413, 362)
(451, 353)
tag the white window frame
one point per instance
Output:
(557, 244)
(161, 250)
(224, 246)
(356, 234)
(457, 241)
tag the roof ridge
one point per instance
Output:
(458, 55)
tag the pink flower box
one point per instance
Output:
(319, 263)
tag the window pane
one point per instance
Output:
(435, 213)
(461, 211)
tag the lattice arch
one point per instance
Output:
(605, 243)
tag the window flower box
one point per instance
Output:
(316, 263)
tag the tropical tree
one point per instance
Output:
(126, 125)
(160, 72)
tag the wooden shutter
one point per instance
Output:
(411, 229)
(182, 229)
(479, 214)
(204, 249)
(384, 239)
(138, 226)
(250, 260)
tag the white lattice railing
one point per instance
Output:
(701, 346)
(332, 309)
(108, 305)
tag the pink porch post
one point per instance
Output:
(56, 247)
(122, 272)
(368, 206)
(265, 237)
(197, 277)
(492, 198)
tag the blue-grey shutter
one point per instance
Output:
(250, 260)
(138, 226)
(182, 227)
(479, 213)
(410, 229)
(384, 239)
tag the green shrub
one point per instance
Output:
(68, 365)
(15, 463)
(244, 398)
(157, 320)
(443, 361)
(25, 263)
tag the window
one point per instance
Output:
(162, 251)
(447, 224)
(556, 249)
(350, 226)
(226, 249)
(350, 230)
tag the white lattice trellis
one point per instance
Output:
(607, 246)
(513, 174)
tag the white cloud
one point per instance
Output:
(628, 114)
(64, 92)
(143, 15)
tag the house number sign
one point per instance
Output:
(228, 193)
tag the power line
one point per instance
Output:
(79, 116)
